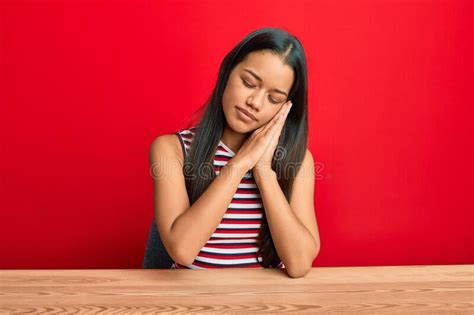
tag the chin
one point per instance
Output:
(240, 127)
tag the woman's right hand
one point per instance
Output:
(255, 146)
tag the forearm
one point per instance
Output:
(193, 228)
(293, 242)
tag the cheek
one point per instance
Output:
(272, 114)
(228, 98)
(225, 99)
(236, 91)
(267, 119)
(228, 93)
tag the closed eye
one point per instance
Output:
(252, 86)
(247, 84)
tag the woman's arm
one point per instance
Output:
(293, 226)
(185, 229)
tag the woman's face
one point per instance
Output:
(260, 85)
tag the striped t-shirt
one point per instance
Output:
(233, 243)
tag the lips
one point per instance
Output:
(247, 113)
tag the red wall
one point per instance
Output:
(85, 86)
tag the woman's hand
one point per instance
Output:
(264, 165)
(255, 147)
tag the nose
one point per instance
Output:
(256, 99)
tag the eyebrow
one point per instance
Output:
(260, 79)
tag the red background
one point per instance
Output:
(85, 86)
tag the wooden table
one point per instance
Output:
(373, 290)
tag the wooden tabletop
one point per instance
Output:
(376, 290)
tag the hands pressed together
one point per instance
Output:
(258, 150)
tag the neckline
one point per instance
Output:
(226, 147)
(193, 129)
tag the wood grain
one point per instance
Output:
(373, 290)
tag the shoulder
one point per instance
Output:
(305, 171)
(167, 145)
(308, 160)
(308, 155)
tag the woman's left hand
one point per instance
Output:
(264, 166)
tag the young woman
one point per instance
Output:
(236, 189)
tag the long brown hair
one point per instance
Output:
(293, 139)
